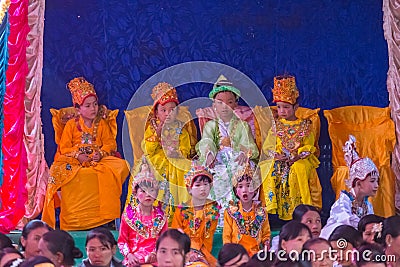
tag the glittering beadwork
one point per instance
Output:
(359, 168)
(248, 225)
(195, 171)
(80, 90)
(163, 93)
(285, 89)
(210, 213)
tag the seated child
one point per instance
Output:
(245, 221)
(167, 145)
(363, 181)
(198, 217)
(226, 142)
(86, 145)
(142, 222)
(289, 172)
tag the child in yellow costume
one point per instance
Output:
(167, 146)
(86, 146)
(198, 217)
(289, 172)
(245, 221)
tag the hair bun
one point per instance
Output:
(77, 253)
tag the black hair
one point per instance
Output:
(347, 232)
(368, 219)
(376, 254)
(32, 225)
(230, 251)
(5, 241)
(104, 235)
(34, 261)
(143, 184)
(390, 227)
(234, 95)
(302, 209)
(242, 178)
(307, 245)
(262, 259)
(292, 230)
(61, 241)
(202, 178)
(181, 238)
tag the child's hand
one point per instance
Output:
(132, 260)
(210, 161)
(151, 258)
(83, 158)
(241, 159)
(280, 157)
(96, 156)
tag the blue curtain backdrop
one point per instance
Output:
(335, 48)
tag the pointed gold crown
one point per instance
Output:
(163, 93)
(80, 89)
(359, 168)
(245, 172)
(285, 89)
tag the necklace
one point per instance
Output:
(88, 140)
(248, 224)
(133, 217)
(224, 136)
(292, 134)
(210, 213)
(358, 209)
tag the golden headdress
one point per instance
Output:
(163, 93)
(223, 85)
(359, 168)
(145, 174)
(80, 89)
(195, 171)
(285, 89)
(245, 172)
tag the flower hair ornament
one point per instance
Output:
(359, 168)
(377, 229)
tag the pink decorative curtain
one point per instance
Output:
(391, 26)
(13, 191)
(37, 172)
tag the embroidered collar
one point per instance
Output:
(133, 217)
(252, 225)
(210, 213)
(357, 209)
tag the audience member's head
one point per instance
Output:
(344, 239)
(321, 252)
(262, 259)
(101, 246)
(369, 225)
(390, 236)
(30, 236)
(292, 236)
(9, 254)
(371, 255)
(5, 241)
(59, 247)
(233, 255)
(172, 247)
(309, 215)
